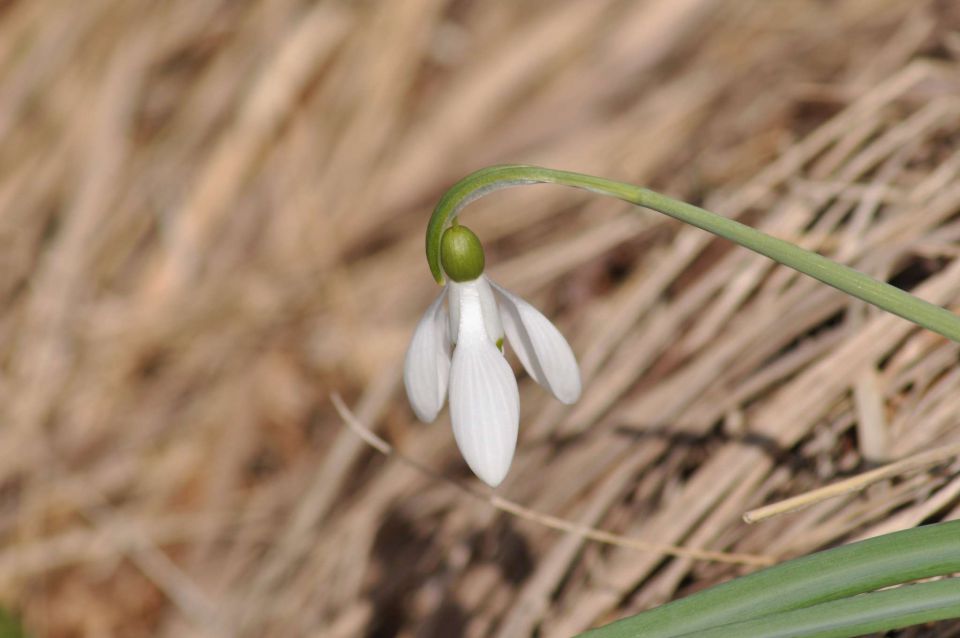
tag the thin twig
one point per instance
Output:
(546, 520)
(855, 483)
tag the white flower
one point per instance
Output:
(484, 402)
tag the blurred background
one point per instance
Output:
(212, 217)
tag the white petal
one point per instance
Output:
(491, 315)
(542, 350)
(484, 402)
(453, 304)
(426, 368)
(488, 307)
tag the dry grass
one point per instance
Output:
(212, 218)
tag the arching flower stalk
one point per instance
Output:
(459, 346)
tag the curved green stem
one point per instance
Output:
(842, 277)
(857, 568)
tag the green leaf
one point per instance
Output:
(924, 552)
(854, 616)
(10, 626)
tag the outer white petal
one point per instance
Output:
(484, 402)
(542, 350)
(426, 368)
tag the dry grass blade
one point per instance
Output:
(856, 483)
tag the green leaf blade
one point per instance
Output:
(854, 616)
(923, 552)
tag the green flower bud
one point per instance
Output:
(461, 254)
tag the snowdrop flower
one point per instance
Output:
(484, 401)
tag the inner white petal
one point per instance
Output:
(453, 304)
(491, 315)
(477, 291)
